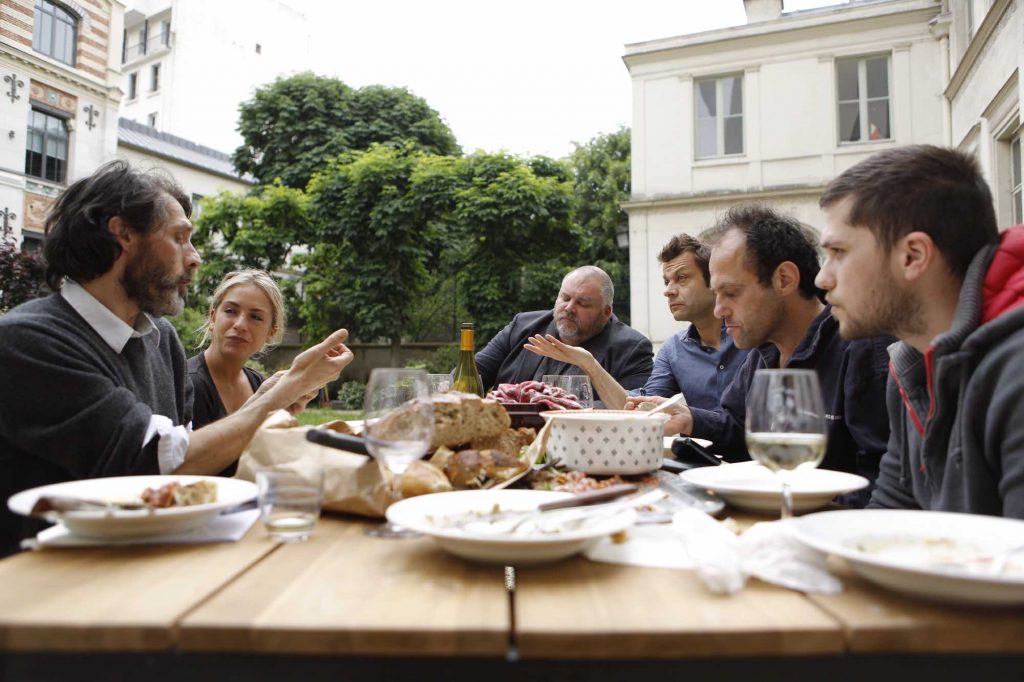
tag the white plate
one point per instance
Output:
(748, 485)
(124, 523)
(940, 556)
(516, 550)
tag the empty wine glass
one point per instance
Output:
(399, 425)
(576, 385)
(786, 424)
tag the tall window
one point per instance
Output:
(133, 85)
(46, 152)
(54, 31)
(151, 120)
(165, 32)
(154, 78)
(719, 116)
(863, 87)
(1015, 181)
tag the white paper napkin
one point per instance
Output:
(223, 528)
(722, 559)
(767, 550)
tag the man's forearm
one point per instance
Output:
(215, 446)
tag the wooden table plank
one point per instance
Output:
(343, 592)
(878, 620)
(581, 609)
(114, 598)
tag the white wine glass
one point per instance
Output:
(786, 424)
(399, 425)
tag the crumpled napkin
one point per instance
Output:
(767, 550)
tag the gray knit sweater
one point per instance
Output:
(72, 408)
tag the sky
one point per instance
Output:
(529, 77)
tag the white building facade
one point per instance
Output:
(188, 64)
(773, 110)
(59, 95)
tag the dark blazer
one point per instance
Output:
(624, 352)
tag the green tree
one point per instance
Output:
(292, 126)
(601, 184)
(369, 266)
(258, 230)
(514, 225)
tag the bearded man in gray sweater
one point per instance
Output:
(92, 380)
(913, 250)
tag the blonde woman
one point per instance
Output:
(246, 316)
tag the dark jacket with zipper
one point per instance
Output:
(957, 410)
(852, 376)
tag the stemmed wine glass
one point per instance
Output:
(786, 424)
(398, 424)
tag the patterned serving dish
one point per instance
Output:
(606, 442)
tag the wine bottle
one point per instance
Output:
(467, 377)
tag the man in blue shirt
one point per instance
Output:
(699, 362)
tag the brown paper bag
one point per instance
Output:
(353, 483)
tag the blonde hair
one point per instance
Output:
(267, 285)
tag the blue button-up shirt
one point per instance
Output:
(701, 373)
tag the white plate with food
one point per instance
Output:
(941, 556)
(748, 485)
(448, 518)
(191, 501)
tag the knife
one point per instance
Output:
(339, 441)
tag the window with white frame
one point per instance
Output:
(719, 116)
(46, 146)
(151, 120)
(1016, 197)
(154, 77)
(54, 30)
(863, 91)
(165, 32)
(133, 85)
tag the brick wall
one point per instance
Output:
(93, 38)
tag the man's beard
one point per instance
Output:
(570, 331)
(152, 286)
(895, 312)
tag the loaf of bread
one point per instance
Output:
(422, 478)
(509, 441)
(461, 418)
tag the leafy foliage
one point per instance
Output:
(601, 168)
(257, 230)
(189, 324)
(21, 273)
(292, 126)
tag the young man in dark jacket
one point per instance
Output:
(763, 267)
(913, 250)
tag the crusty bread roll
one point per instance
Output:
(481, 468)
(422, 478)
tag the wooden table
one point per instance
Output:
(347, 606)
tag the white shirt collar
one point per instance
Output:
(114, 331)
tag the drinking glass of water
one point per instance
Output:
(290, 497)
(398, 420)
(786, 424)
